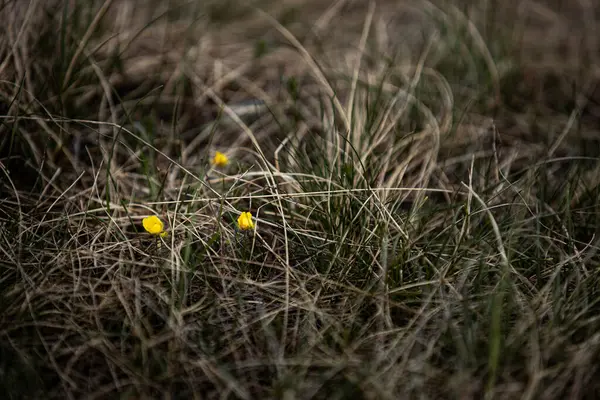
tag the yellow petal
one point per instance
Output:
(220, 159)
(245, 221)
(153, 225)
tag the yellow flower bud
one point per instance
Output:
(220, 159)
(154, 226)
(245, 221)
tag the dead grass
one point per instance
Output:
(423, 177)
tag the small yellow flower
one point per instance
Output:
(220, 159)
(245, 221)
(154, 226)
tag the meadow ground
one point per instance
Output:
(423, 180)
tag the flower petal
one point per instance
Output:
(245, 221)
(153, 225)
(220, 159)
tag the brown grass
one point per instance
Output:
(423, 176)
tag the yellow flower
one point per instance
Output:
(220, 159)
(154, 226)
(245, 221)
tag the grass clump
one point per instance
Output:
(299, 203)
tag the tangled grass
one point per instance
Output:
(423, 180)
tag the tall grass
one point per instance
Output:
(423, 179)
